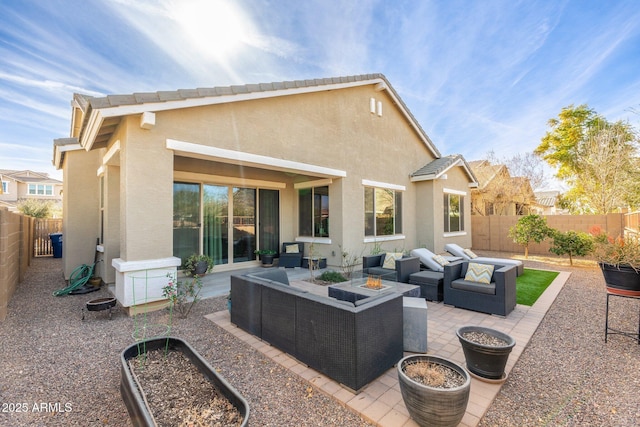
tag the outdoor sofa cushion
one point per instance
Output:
(457, 250)
(427, 258)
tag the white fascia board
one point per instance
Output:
(377, 184)
(60, 149)
(91, 131)
(249, 159)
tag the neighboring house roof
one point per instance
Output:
(547, 198)
(101, 115)
(485, 172)
(28, 176)
(439, 167)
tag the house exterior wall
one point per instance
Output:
(332, 129)
(80, 214)
(457, 181)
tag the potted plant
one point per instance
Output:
(266, 256)
(619, 260)
(435, 390)
(486, 351)
(198, 264)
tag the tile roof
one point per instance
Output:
(437, 166)
(87, 103)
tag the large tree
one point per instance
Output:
(597, 158)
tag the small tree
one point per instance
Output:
(571, 243)
(529, 228)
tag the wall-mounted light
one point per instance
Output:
(372, 105)
(380, 108)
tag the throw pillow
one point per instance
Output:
(479, 273)
(440, 260)
(470, 253)
(390, 260)
(292, 249)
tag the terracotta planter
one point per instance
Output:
(138, 410)
(431, 406)
(621, 280)
(486, 361)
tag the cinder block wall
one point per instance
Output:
(491, 233)
(15, 254)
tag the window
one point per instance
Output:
(382, 212)
(313, 208)
(40, 190)
(5, 187)
(453, 212)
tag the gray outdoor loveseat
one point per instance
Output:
(352, 343)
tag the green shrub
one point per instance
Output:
(331, 276)
(571, 243)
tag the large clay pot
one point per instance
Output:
(431, 406)
(486, 361)
(621, 280)
(138, 410)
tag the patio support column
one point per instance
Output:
(146, 217)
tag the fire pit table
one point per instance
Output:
(362, 285)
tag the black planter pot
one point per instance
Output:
(486, 361)
(267, 260)
(138, 410)
(200, 268)
(621, 280)
(431, 406)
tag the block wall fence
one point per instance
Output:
(15, 253)
(491, 233)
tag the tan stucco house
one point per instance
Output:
(340, 163)
(17, 186)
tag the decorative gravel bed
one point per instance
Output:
(63, 371)
(59, 370)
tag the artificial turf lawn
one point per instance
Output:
(531, 284)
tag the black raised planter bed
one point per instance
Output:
(138, 411)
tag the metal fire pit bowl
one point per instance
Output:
(100, 304)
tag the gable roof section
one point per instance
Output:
(102, 114)
(27, 176)
(438, 167)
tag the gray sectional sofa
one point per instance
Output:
(352, 343)
(372, 264)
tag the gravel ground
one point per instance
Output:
(60, 370)
(567, 375)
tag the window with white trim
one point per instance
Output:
(313, 211)
(453, 212)
(382, 211)
(40, 190)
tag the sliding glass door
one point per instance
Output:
(228, 232)
(186, 219)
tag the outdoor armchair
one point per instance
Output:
(291, 256)
(497, 297)
(403, 267)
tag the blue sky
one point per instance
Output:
(477, 75)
